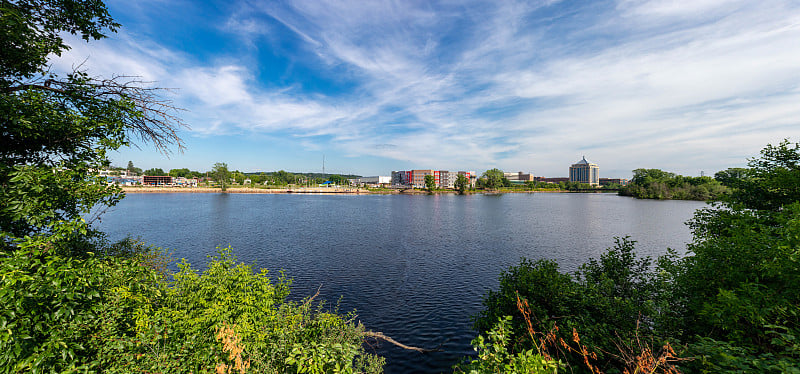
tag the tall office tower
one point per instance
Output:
(584, 172)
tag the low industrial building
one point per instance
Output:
(375, 181)
(619, 181)
(157, 180)
(519, 177)
(551, 180)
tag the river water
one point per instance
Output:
(413, 267)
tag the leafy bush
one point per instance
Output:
(119, 314)
(739, 291)
(495, 357)
(57, 310)
(733, 302)
(605, 300)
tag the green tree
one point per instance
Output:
(430, 183)
(155, 172)
(32, 31)
(58, 130)
(492, 179)
(176, 173)
(658, 184)
(731, 176)
(461, 183)
(739, 290)
(338, 179)
(282, 177)
(773, 180)
(238, 177)
(258, 178)
(133, 169)
(73, 302)
(221, 175)
(645, 176)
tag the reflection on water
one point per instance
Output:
(413, 267)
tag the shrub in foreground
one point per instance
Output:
(604, 300)
(731, 305)
(118, 314)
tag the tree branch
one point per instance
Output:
(380, 335)
(157, 121)
(32, 86)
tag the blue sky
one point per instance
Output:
(375, 86)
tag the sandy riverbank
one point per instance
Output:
(311, 190)
(308, 190)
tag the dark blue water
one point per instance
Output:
(413, 267)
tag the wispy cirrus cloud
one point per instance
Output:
(516, 85)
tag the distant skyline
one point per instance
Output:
(375, 86)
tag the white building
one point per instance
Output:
(585, 172)
(519, 177)
(376, 181)
(447, 179)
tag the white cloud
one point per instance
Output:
(676, 8)
(661, 83)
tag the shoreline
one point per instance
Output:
(316, 191)
(351, 191)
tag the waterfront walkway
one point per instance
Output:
(302, 190)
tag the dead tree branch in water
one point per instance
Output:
(380, 335)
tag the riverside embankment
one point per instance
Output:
(307, 190)
(325, 190)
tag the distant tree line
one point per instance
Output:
(278, 178)
(659, 184)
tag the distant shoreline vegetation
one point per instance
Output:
(343, 190)
(662, 185)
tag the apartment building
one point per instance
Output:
(447, 179)
(443, 178)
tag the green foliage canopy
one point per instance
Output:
(221, 174)
(492, 179)
(430, 183)
(57, 131)
(282, 177)
(733, 302)
(120, 314)
(461, 183)
(155, 172)
(659, 184)
(338, 179)
(32, 30)
(740, 288)
(604, 301)
(772, 180)
(74, 303)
